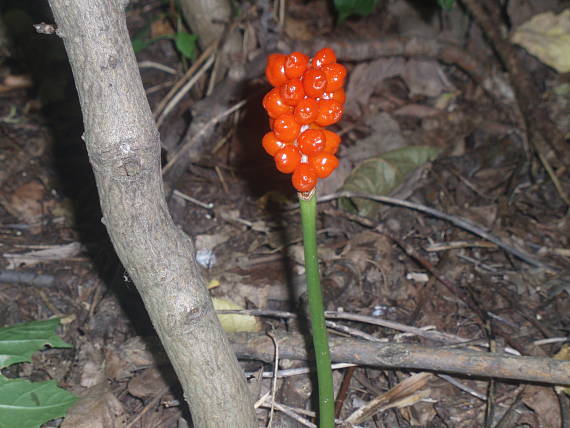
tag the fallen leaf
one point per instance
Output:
(234, 323)
(97, 408)
(547, 36)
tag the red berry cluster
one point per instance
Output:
(307, 95)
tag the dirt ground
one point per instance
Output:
(498, 135)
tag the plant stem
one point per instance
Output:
(308, 204)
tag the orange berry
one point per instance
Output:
(292, 92)
(274, 104)
(323, 164)
(304, 178)
(314, 82)
(330, 112)
(335, 73)
(306, 111)
(312, 141)
(339, 96)
(323, 57)
(332, 141)
(285, 127)
(287, 159)
(275, 69)
(295, 65)
(271, 144)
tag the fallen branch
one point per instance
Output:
(405, 356)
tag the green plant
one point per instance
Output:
(307, 95)
(23, 403)
(184, 42)
(346, 8)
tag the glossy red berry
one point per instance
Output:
(292, 92)
(275, 70)
(314, 82)
(304, 178)
(306, 111)
(285, 127)
(271, 144)
(335, 74)
(323, 57)
(312, 141)
(332, 141)
(274, 104)
(323, 164)
(330, 112)
(295, 65)
(339, 96)
(287, 159)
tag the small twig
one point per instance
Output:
(150, 405)
(297, 371)
(158, 66)
(563, 399)
(183, 91)
(208, 206)
(205, 55)
(208, 125)
(459, 222)
(432, 335)
(28, 278)
(274, 383)
(290, 412)
(343, 391)
(463, 387)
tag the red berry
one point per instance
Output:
(335, 73)
(306, 111)
(285, 127)
(339, 96)
(332, 141)
(287, 159)
(314, 82)
(292, 92)
(271, 144)
(275, 70)
(330, 112)
(304, 178)
(295, 65)
(274, 104)
(323, 164)
(312, 141)
(323, 57)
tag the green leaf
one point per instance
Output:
(25, 404)
(446, 4)
(382, 175)
(346, 8)
(20, 341)
(186, 44)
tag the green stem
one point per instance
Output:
(308, 205)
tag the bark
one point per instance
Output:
(407, 356)
(124, 151)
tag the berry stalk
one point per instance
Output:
(308, 204)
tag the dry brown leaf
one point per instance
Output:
(406, 393)
(25, 203)
(545, 404)
(97, 408)
(149, 382)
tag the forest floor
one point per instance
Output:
(456, 133)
